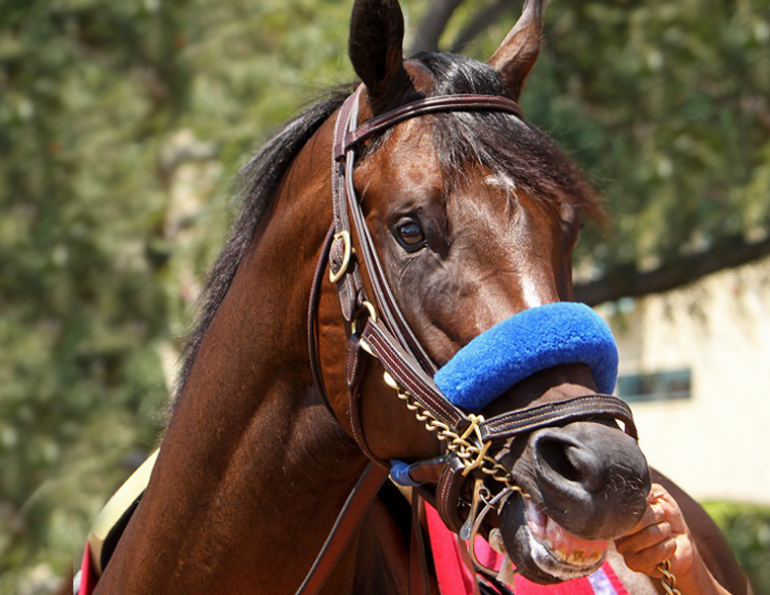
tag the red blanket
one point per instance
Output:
(454, 578)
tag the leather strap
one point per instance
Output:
(348, 281)
(448, 494)
(530, 419)
(348, 520)
(425, 106)
(399, 363)
(312, 326)
(418, 562)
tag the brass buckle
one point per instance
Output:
(483, 447)
(345, 237)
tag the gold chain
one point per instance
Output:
(473, 455)
(668, 580)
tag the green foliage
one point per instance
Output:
(121, 124)
(747, 528)
(666, 104)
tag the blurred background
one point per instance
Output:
(122, 125)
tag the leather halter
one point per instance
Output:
(387, 337)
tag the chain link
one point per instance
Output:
(472, 454)
(668, 580)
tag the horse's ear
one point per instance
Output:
(516, 56)
(376, 50)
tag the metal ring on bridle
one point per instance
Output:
(353, 326)
(496, 503)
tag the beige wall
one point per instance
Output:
(716, 444)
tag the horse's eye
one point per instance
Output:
(410, 235)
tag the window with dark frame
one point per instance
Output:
(668, 385)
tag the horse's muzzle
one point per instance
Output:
(586, 484)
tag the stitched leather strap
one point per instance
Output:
(358, 502)
(421, 107)
(448, 494)
(401, 365)
(530, 419)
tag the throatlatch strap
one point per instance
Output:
(418, 563)
(348, 520)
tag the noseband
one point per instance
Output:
(379, 330)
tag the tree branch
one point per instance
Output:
(432, 25)
(630, 282)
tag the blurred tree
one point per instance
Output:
(666, 106)
(121, 125)
(87, 87)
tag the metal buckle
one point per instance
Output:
(345, 237)
(482, 446)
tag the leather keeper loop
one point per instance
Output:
(450, 486)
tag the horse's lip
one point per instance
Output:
(556, 551)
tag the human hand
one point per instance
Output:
(660, 535)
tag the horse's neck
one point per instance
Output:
(253, 469)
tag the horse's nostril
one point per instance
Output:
(571, 461)
(553, 452)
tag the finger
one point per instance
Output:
(684, 554)
(670, 509)
(646, 538)
(653, 514)
(647, 560)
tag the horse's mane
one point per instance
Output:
(256, 184)
(500, 142)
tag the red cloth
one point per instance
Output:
(454, 577)
(87, 578)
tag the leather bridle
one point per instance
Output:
(379, 330)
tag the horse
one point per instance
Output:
(399, 243)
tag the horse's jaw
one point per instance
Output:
(543, 551)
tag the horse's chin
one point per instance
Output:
(543, 551)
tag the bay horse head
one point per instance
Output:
(462, 218)
(428, 281)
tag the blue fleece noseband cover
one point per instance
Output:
(529, 342)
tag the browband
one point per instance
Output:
(425, 106)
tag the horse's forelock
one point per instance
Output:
(501, 142)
